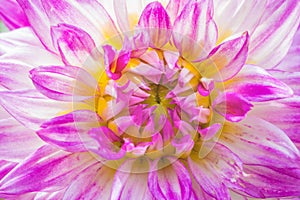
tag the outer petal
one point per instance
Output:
(175, 7)
(29, 107)
(69, 131)
(226, 60)
(235, 16)
(74, 44)
(65, 83)
(12, 75)
(17, 142)
(172, 182)
(272, 38)
(291, 61)
(18, 37)
(290, 78)
(194, 31)
(6, 167)
(38, 20)
(156, 21)
(258, 142)
(255, 84)
(263, 182)
(128, 184)
(128, 12)
(81, 13)
(216, 171)
(92, 183)
(284, 113)
(55, 170)
(12, 14)
(232, 106)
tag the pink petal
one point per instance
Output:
(226, 60)
(209, 132)
(18, 37)
(55, 170)
(290, 78)
(81, 13)
(264, 182)
(271, 40)
(106, 144)
(129, 184)
(234, 17)
(156, 21)
(38, 20)
(13, 75)
(74, 44)
(284, 113)
(194, 31)
(68, 131)
(17, 142)
(65, 83)
(291, 61)
(172, 182)
(23, 55)
(12, 14)
(115, 61)
(95, 182)
(29, 107)
(255, 84)
(120, 8)
(216, 171)
(175, 7)
(258, 142)
(232, 106)
(6, 167)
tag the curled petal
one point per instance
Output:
(67, 83)
(232, 106)
(81, 13)
(156, 21)
(69, 132)
(255, 84)
(115, 61)
(194, 31)
(74, 44)
(226, 60)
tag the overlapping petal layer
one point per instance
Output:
(150, 99)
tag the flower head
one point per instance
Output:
(159, 100)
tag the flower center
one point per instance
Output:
(155, 108)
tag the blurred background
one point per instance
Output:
(2, 27)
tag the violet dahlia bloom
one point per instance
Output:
(178, 99)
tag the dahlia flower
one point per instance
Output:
(178, 99)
